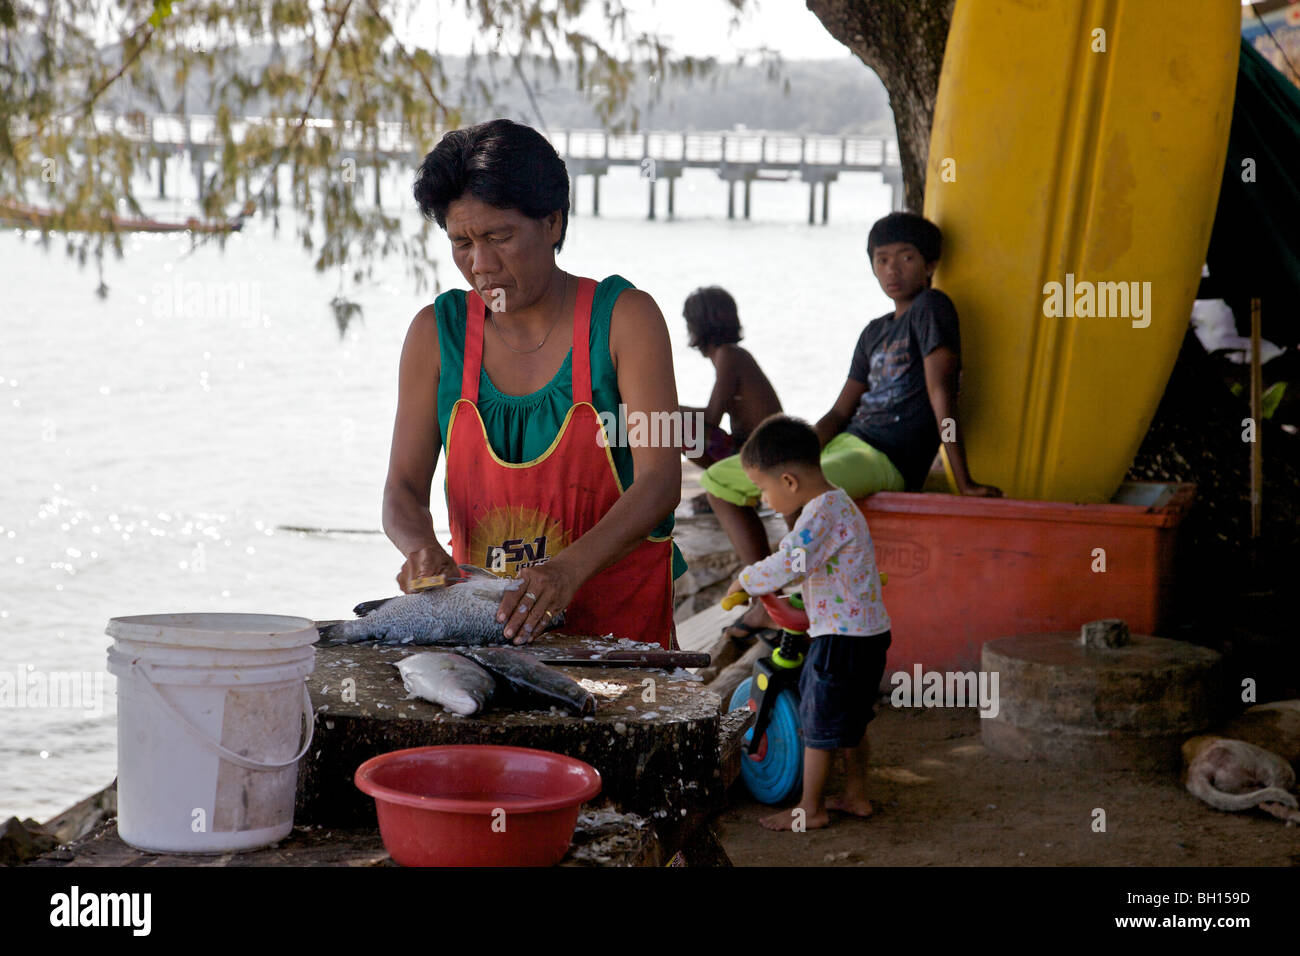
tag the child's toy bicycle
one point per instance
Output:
(772, 760)
(773, 764)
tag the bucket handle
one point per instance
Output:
(230, 755)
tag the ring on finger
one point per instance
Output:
(549, 614)
(530, 595)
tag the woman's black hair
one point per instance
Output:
(711, 318)
(781, 440)
(504, 164)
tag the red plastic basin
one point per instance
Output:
(477, 805)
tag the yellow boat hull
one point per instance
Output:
(1063, 163)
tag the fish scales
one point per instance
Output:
(461, 613)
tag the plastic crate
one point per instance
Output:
(966, 570)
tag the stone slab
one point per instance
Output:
(1127, 707)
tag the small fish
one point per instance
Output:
(528, 677)
(447, 679)
(464, 612)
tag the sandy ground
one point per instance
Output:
(942, 798)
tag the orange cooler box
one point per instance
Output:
(966, 570)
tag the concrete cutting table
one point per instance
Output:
(657, 738)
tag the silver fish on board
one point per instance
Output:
(449, 680)
(531, 680)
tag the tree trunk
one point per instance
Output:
(902, 41)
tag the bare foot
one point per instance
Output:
(860, 807)
(796, 818)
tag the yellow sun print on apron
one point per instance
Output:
(513, 537)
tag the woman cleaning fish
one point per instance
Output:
(510, 378)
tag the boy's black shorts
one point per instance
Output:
(838, 687)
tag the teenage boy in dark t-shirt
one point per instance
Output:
(902, 384)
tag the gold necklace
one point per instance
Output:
(492, 318)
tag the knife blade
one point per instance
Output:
(635, 659)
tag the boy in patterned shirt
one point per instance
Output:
(829, 550)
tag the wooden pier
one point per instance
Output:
(739, 157)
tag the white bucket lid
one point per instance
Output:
(222, 630)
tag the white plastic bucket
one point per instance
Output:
(210, 710)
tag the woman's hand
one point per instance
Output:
(547, 589)
(736, 586)
(424, 563)
(976, 490)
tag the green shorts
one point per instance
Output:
(847, 461)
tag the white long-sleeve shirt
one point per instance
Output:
(830, 550)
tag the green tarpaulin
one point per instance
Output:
(1255, 245)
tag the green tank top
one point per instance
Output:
(521, 427)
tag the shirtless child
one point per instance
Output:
(741, 391)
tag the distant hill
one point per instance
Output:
(824, 96)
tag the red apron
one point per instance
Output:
(506, 516)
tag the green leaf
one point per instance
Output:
(1273, 398)
(162, 9)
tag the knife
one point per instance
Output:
(635, 659)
